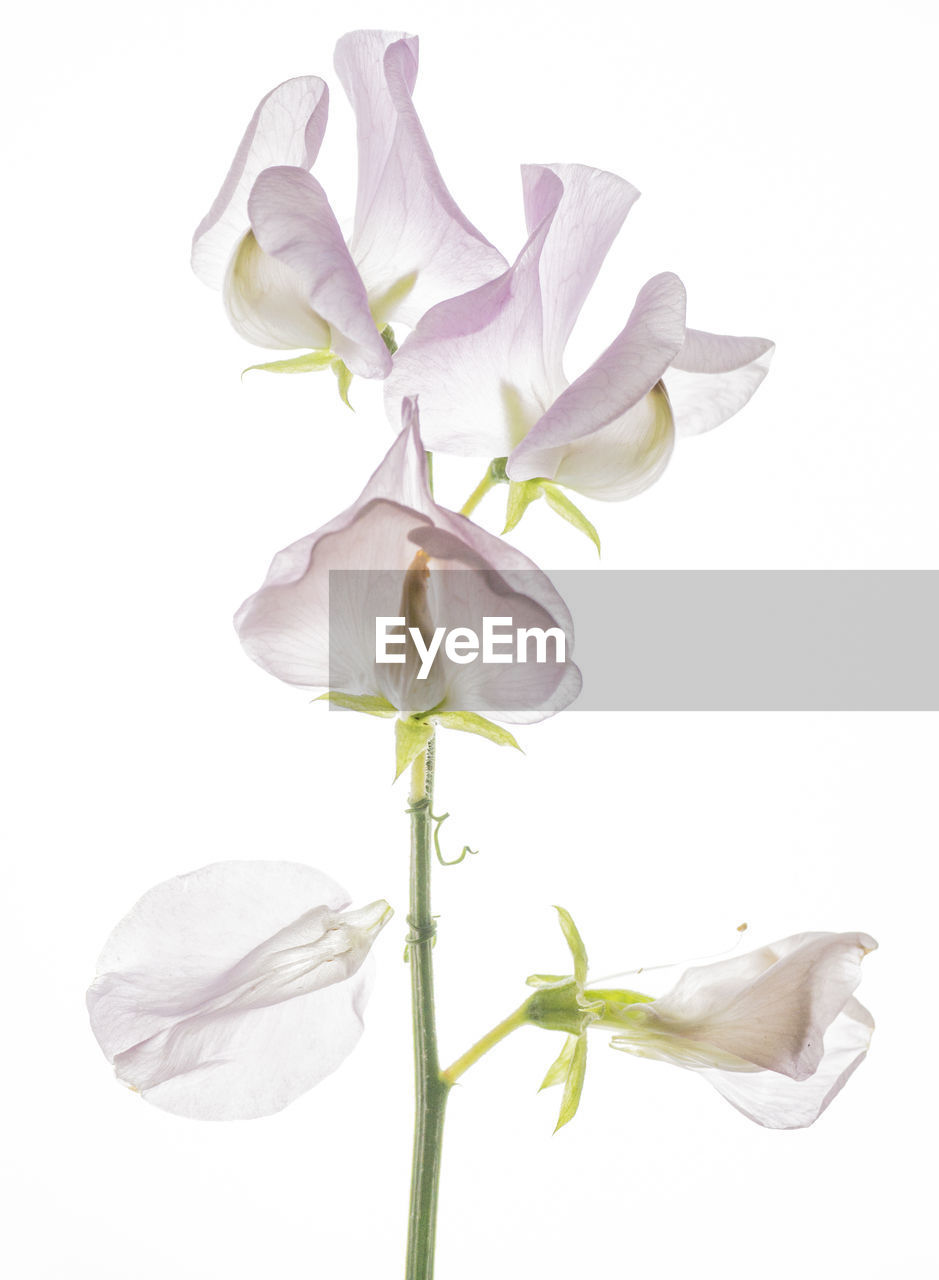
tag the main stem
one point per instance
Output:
(430, 1087)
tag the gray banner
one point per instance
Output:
(769, 640)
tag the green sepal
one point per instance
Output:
(344, 378)
(547, 980)
(470, 722)
(522, 493)
(558, 501)
(411, 737)
(366, 702)
(309, 362)
(576, 943)
(388, 338)
(574, 1084)
(560, 1006)
(560, 1067)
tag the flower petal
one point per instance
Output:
(311, 630)
(410, 241)
(779, 1102)
(615, 383)
(215, 1000)
(713, 376)
(286, 128)
(625, 457)
(584, 223)
(476, 363)
(296, 228)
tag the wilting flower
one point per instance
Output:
(224, 994)
(488, 368)
(272, 243)
(396, 554)
(777, 1032)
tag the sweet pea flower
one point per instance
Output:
(222, 995)
(488, 366)
(777, 1032)
(271, 241)
(402, 555)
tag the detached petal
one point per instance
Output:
(613, 385)
(713, 376)
(286, 128)
(295, 226)
(214, 1000)
(411, 243)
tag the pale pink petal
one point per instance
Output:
(628, 369)
(583, 226)
(713, 376)
(406, 222)
(476, 362)
(465, 575)
(779, 1102)
(294, 224)
(286, 128)
(221, 996)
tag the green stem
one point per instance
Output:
(430, 1087)
(515, 1020)
(494, 475)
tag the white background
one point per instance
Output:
(786, 154)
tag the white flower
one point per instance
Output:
(223, 995)
(777, 1031)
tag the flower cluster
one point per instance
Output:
(228, 992)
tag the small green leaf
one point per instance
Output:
(560, 1067)
(574, 1084)
(388, 338)
(344, 378)
(576, 944)
(522, 493)
(470, 722)
(547, 979)
(561, 503)
(310, 362)
(411, 737)
(371, 705)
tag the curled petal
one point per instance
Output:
(410, 241)
(422, 562)
(779, 1102)
(296, 228)
(286, 128)
(713, 376)
(613, 385)
(583, 225)
(215, 1000)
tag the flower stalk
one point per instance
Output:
(430, 1086)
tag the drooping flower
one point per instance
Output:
(272, 243)
(488, 366)
(224, 994)
(777, 1032)
(396, 553)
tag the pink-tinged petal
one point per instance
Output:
(779, 1102)
(295, 226)
(421, 560)
(476, 362)
(411, 243)
(616, 382)
(216, 1000)
(713, 376)
(583, 226)
(286, 128)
